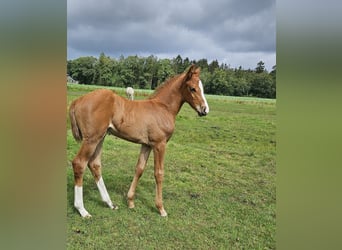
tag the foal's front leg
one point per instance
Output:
(159, 152)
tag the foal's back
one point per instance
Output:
(142, 121)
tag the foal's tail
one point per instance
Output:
(76, 132)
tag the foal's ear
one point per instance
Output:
(191, 71)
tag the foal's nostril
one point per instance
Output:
(202, 110)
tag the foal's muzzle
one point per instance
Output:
(202, 111)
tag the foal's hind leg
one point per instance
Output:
(95, 168)
(79, 164)
(139, 169)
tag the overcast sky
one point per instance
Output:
(236, 32)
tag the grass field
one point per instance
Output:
(219, 185)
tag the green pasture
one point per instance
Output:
(219, 185)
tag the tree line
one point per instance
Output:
(149, 72)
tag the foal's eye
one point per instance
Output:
(192, 89)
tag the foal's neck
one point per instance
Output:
(171, 96)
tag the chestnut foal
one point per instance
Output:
(148, 122)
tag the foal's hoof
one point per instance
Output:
(84, 213)
(86, 216)
(113, 206)
(163, 213)
(130, 204)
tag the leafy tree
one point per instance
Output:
(239, 72)
(203, 64)
(186, 63)
(262, 86)
(149, 72)
(212, 66)
(260, 67)
(164, 70)
(244, 87)
(152, 67)
(177, 64)
(83, 69)
(70, 67)
(206, 78)
(127, 70)
(104, 70)
(273, 73)
(219, 83)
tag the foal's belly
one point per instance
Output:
(146, 134)
(128, 133)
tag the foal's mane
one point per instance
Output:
(165, 85)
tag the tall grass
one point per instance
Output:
(219, 185)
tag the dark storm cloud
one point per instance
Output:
(230, 31)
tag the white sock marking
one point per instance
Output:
(103, 192)
(78, 202)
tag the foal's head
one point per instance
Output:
(192, 90)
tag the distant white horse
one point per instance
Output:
(130, 93)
